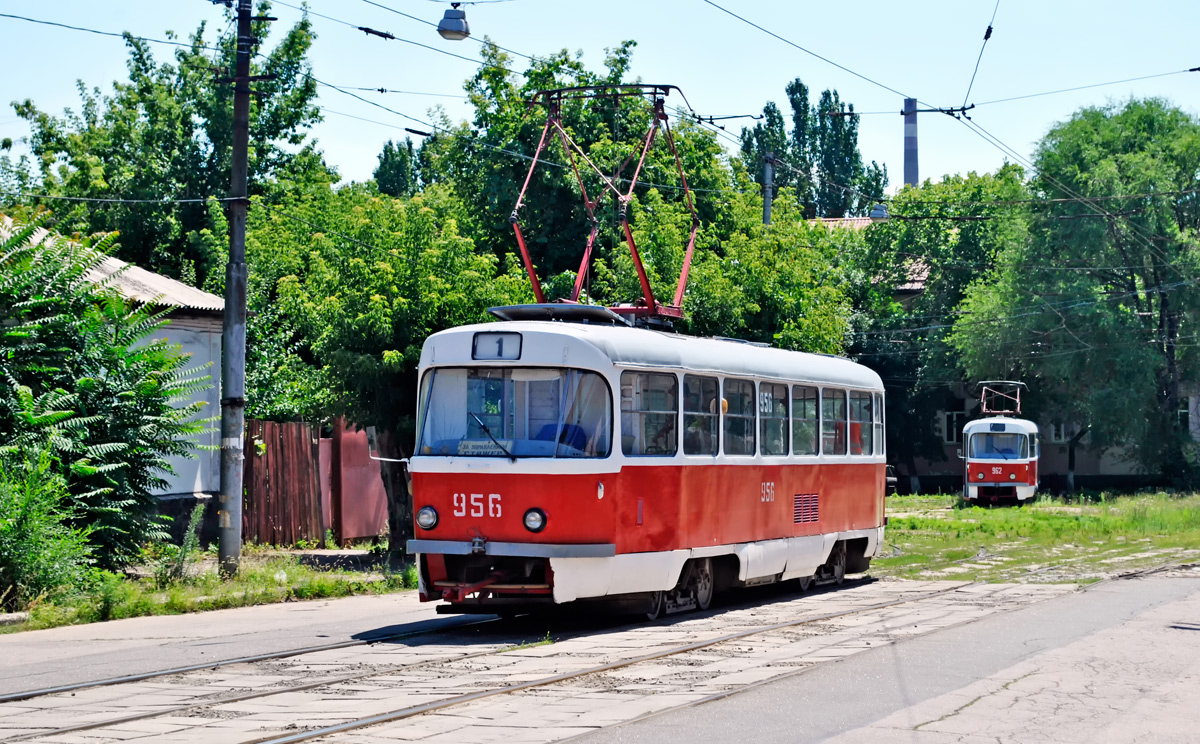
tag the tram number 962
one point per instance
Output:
(476, 504)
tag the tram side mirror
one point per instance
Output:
(960, 454)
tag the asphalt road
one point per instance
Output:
(847, 697)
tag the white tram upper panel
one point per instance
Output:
(549, 343)
(1012, 425)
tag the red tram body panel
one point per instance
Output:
(1001, 455)
(561, 461)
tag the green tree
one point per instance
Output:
(941, 237)
(165, 134)
(373, 277)
(1096, 306)
(84, 381)
(397, 174)
(485, 163)
(820, 158)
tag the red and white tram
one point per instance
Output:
(561, 461)
(1001, 451)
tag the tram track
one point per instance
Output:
(455, 700)
(450, 624)
(451, 667)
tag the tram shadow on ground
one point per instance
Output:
(577, 619)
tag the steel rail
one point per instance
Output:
(416, 710)
(805, 670)
(450, 624)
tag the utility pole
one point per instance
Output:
(768, 186)
(233, 332)
(910, 142)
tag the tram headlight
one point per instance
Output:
(427, 517)
(1012, 476)
(981, 476)
(535, 520)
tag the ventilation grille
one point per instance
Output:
(805, 508)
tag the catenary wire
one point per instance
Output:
(986, 36)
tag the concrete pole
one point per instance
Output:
(768, 186)
(233, 335)
(910, 142)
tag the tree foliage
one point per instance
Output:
(165, 134)
(819, 159)
(1095, 306)
(85, 382)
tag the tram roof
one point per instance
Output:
(646, 347)
(1011, 425)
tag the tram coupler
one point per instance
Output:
(462, 591)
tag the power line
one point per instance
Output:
(1085, 87)
(113, 200)
(110, 33)
(380, 34)
(987, 35)
(807, 51)
(472, 38)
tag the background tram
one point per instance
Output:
(1001, 451)
(562, 461)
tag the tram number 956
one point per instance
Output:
(476, 504)
(768, 491)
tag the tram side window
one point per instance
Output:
(773, 417)
(862, 430)
(739, 418)
(649, 410)
(879, 424)
(701, 413)
(833, 422)
(805, 421)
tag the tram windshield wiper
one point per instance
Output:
(495, 441)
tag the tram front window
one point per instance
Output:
(517, 411)
(990, 446)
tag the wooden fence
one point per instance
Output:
(298, 485)
(282, 480)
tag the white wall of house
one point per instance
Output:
(200, 337)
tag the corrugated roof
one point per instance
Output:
(133, 283)
(137, 284)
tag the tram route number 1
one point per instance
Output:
(476, 504)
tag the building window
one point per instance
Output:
(805, 421)
(952, 426)
(649, 409)
(701, 415)
(739, 419)
(1058, 432)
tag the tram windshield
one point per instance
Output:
(515, 411)
(993, 446)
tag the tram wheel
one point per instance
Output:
(658, 601)
(837, 563)
(704, 583)
(805, 583)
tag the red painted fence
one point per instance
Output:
(298, 485)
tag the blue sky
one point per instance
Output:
(926, 49)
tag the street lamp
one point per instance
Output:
(454, 24)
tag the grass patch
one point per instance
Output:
(263, 578)
(1047, 541)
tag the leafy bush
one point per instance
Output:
(82, 379)
(40, 553)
